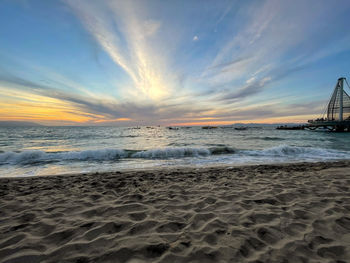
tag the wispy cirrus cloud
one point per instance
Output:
(277, 40)
(41, 101)
(174, 61)
(128, 37)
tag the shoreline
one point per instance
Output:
(292, 212)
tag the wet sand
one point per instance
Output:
(265, 213)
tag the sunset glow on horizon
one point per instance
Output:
(155, 62)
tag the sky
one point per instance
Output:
(183, 62)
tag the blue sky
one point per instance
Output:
(149, 62)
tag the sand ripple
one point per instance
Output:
(267, 213)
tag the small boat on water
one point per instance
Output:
(241, 128)
(209, 127)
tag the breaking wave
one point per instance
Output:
(33, 157)
(282, 151)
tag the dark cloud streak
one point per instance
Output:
(109, 109)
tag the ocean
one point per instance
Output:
(35, 151)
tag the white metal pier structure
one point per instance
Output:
(336, 117)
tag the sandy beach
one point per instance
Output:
(264, 213)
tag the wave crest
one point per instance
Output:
(172, 153)
(31, 157)
(285, 152)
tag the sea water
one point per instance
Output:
(31, 151)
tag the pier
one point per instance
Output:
(336, 117)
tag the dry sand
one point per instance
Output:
(266, 213)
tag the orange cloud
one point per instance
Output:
(21, 105)
(113, 120)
